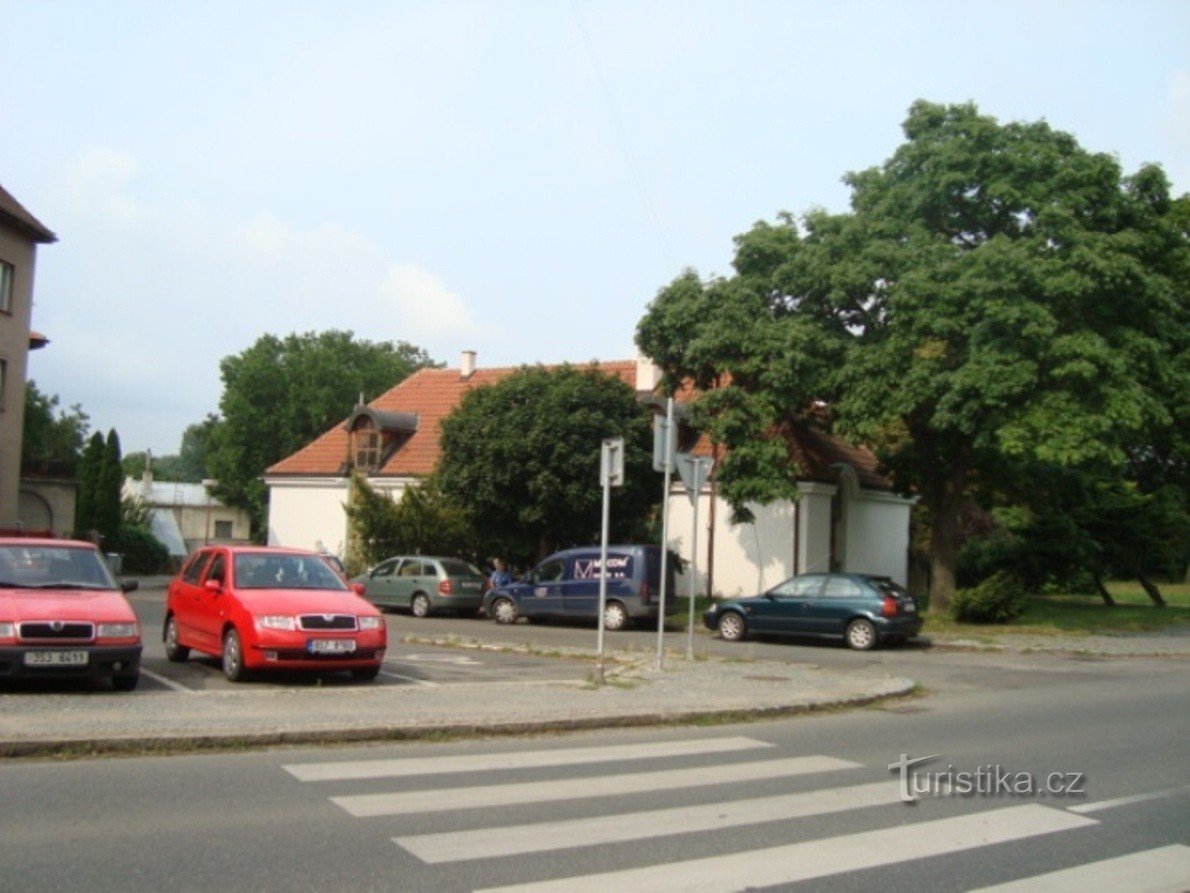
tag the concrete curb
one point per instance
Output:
(431, 731)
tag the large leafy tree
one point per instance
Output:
(523, 456)
(280, 393)
(996, 295)
(52, 434)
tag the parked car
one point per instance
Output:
(566, 584)
(425, 584)
(62, 615)
(267, 608)
(864, 609)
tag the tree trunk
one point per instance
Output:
(943, 548)
(1102, 590)
(1152, 590)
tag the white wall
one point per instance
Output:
(750, 558)
(878, 535)
(309, 513)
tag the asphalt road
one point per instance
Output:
(807, 803)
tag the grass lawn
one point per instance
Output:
(1084, 614)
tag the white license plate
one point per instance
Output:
(56, 658)
(910, 608)
(330, 646)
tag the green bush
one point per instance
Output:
(143, 553)
(998, 599)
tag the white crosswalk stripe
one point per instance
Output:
(512, 840)
(482, 837)
(527, 759)
(580, 788)
(1163, 870)
(819, 858)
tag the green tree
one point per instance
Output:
(52, 434)
(109, 484)
(523, 456)
(424, 521)
(90, 467)
(996, 295)
(281, 393)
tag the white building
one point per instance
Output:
(185, 516)
(847, 519)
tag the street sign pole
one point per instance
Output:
(611, 474)
(668, 468)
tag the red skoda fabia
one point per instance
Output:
(266, 608)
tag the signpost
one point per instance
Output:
(663, 460)
(611, 474)
(694, 471)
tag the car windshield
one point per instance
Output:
(255, 570)
(52, 567)
(455, 568)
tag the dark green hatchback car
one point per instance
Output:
(865, 610)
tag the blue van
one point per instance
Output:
(567, 585)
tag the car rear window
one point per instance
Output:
(888, 587)
(455, 568)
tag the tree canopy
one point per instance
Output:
(996, 296)
(281, 393)
(523, 456)
(52, 434)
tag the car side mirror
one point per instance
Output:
(130, 585)
(359, 588)
(213, 586)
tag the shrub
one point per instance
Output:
(998, 599)
(143, 553)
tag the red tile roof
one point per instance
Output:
(432, 394)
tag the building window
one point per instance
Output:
(367, 450)
(3, 382)
(222, 530)
(6, 277)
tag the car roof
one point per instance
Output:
(46, 541)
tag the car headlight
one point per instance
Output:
(277, 621)
(116, 630)
(8, 631)
(370, 622)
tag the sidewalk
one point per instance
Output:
(45, 724)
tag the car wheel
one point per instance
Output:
(861, 635)
(365, 674)
(174, 652)
(731, 627)
(125, 681)
(504, 611)
(615, 616)
(233, 656)
(420, 606)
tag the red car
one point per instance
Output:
(62, 615)
(267, 608)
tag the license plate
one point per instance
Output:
(910, 608)
(330, 646)
(56, 658)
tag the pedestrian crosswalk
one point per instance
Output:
(721, 769)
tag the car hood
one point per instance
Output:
(99, 606)
(303, 601)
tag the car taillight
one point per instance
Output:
(445, 588)
(889, 608)
(644, 593)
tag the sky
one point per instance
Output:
(515, 178)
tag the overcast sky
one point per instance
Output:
(519, 178)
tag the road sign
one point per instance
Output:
(693, 471)
(611, 462)
(663, 444)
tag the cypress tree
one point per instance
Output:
(90, 464)
(107, 492)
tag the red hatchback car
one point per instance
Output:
(62, 615)
(267, 608)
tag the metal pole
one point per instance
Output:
(693, 559)
(607, 492)
(669, 452)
